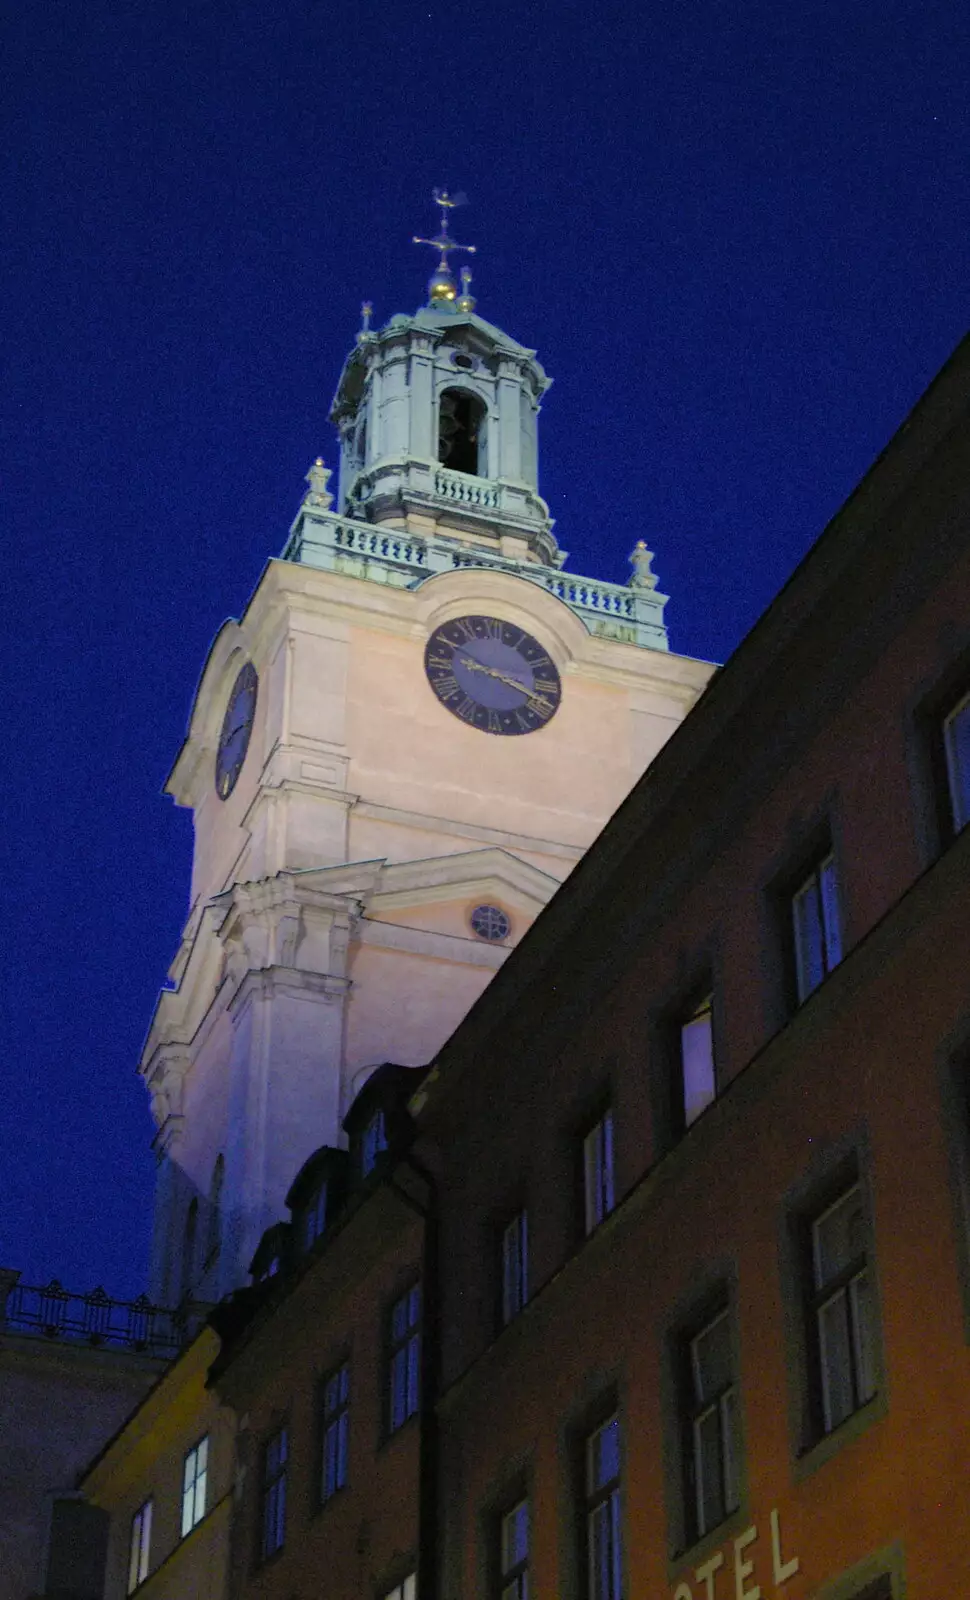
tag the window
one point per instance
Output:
(272, 1522)
(139, 1546)
(513, 1553)
(514, 1266)
(956, 750)
(336, 1431)
(710, 1423)
(373, 1142)
(461, 431)
(698, 1079)
(315, 1216)
(598, 1192)
(404, 1358)
(602, 1512)
(405, 1590)
(816, 931)
(194, 1476)
(841, 1320)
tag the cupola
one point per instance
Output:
(438, 421)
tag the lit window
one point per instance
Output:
(710, 1426)
(194, 1478)
(602, 1505)
(598, 1190)
(373, 1142)
(515, 1266)
(841, 1309)
(405, 1590)
(273, 1494)
(336, 1431)
(315, 1216)
(956, 745)
(404, 1358)
(139, 1546)
(815, 926)
(698, 1076)
(514, 1553)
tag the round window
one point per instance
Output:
(459, 358)
(490, 922)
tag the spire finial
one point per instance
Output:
(441, 284)
(366, 312)
(466, 300)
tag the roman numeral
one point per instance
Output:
(467, 710)
(546, 685)
(464, 630)
(542, 708)
(494, 629)
(494, 724)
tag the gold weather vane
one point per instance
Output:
(441, 285)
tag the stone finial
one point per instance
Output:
(640, 558)
(366, 333)
(318, 478)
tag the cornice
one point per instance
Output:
(376, 812)
(267, 983)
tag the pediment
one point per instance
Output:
(483, 874)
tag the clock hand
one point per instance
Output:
(493, 672)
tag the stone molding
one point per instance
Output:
(268, 983)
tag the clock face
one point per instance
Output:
(237, 725)
(492, 675)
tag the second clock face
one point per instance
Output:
(237, 725)
(492, 675)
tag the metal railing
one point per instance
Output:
(53, 1312)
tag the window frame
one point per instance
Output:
(830, 948)
(405, 1587)
(693, 1408)
(814, 843)
(510, 1579)
(597, 1164)
(675, 1012)
(838, 1289)
(140, 1551)
(832, 1176)
(190, 1489)
(273, 1489)
(592, 1500)
(398, 1346)
(513, 1267)
(334, 1418)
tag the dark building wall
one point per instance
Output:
(363, 1539)
(814, 731)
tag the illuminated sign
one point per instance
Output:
(735, 1560)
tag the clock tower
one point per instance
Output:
(414, 731)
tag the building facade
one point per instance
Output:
(396, 755)
(655, 1282)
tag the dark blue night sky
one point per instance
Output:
(737, 235)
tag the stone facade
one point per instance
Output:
(333, 882)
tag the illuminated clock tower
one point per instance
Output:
(411, 735)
